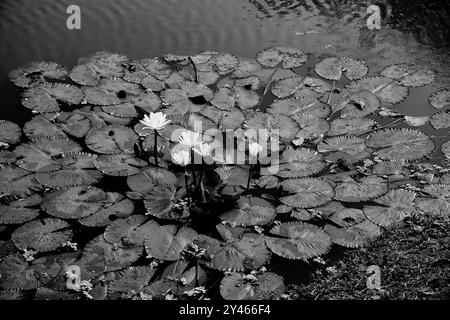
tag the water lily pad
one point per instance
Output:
(74, 203)
(232, 119)
(440, 99)
(168, 242)
(293, 106)
(145, 180)
(347, 217)
(439, 203)
(388, 167)
(74, 124)
(350, 126)
(123, 232)
(278, 126)
(115, 206)
(250, 211)
(131, 279)
(119, 165)
(300, 87)
(248, 251)
(396, 205)
(266, 286)
(401, 144)
(7, 157)
(358, 104)
(20, 211)
(307, 192)
(36, 73)
(16, 274)
(10, 132)
(409, 75)
(39, 156)
(440, 120)
(40, 127)
(354, 236)
(225, 63)
(349, 148)
(366, 189)
(181, 98)
(387, 90)
(311, 127)
(296, 241)
(166, 202)
(300, 162)
(333, 68)
(42, 235)
(289, 57)
(46, 97)
(445, 148)
(112, 140)
(100, 256)
(17, 182)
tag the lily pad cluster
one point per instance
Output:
(86, 184)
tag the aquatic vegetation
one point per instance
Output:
(168, 177)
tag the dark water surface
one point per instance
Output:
(411, 31)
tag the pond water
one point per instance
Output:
(411, 31)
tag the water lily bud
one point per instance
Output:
(156, 121)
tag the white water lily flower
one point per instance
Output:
(156, 121)
(190, 138)
(181, 158)
(203, 149)
(254, 149)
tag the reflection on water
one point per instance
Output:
(410, 31)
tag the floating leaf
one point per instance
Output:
(388, 167)
(400, 144)
(311, 127)
(17, 182)
(40, 127)
(395, 206)
(409, 75)
(300, 87)
(276, 126)
(248, 251)
(440, 99)
(387, 90)
(366, 189)
(289, 57)
(145, 181)
(16, 274)
(119, 165)
(42, 235)
(350, 126)
(351, 149)
(439, 204)
(292, 106)
(166, 203)
(10, 132)
(168, 242)
(440, 120)
(357, 105)
(181, 98)
(131, 279)
(75, 124)
(7, 157)
(347, 217)
(45, 97)
(19, 211)
(36, 73)
(250, 211)
(354, 236)
(296, 240)
(100, 256)
(298, 163)
(266, 286)
(74, 203)
(122, 231)
(416, 121)
(39, 156)
(112, 92)
(111, 140)
(225, 63)
(307, 192)
(333, 68)
(115, 206)
(445, 148)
